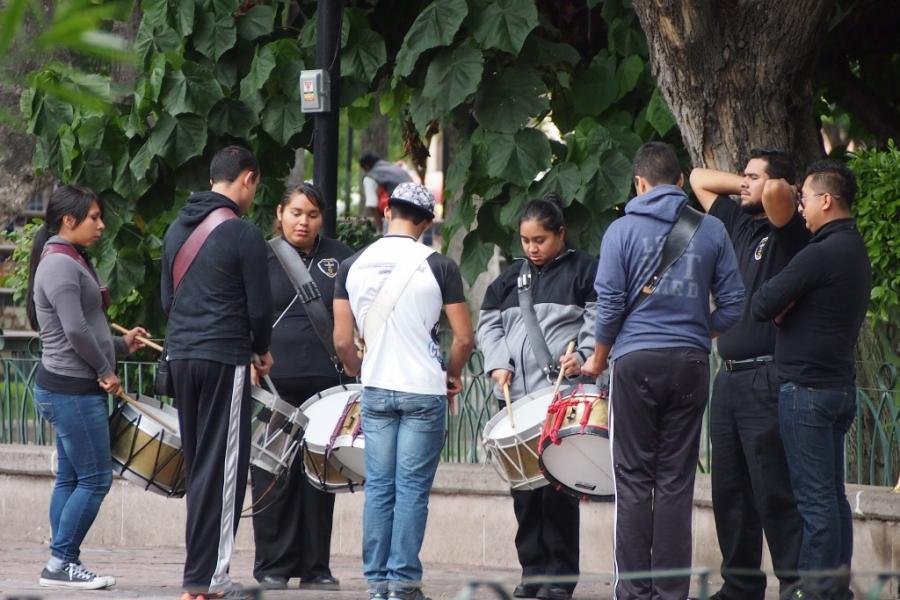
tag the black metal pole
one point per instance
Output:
(325, 144)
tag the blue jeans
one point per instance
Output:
(404, 434)
(84, 465)
(814, 423)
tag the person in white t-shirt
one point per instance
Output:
(393, 292)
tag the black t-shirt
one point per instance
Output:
(296, 349)
(762, 251)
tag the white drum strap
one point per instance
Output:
(391, 290)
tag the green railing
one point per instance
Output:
(873, 446)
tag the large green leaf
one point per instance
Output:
(563, 179)
(260, 69)
(475, 256)
(10, 21)
(435, 26)
(214, 34)
(540, 52)
(628, 73)
(282, 119)
(364, 55)
(504, 24)
(588, 139)
(232, 118)
(68, 151)
(505, 102)
(459, 167)
(178, 139)
(258, 22)
(517, 158)
(184, 17)
(122, 271)
(452, 76)
(289, 61)
(658, 114)
(595, 89)
(193, 89)
(422, 111)
(97, 172)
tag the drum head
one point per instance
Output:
(581, 464)
(529, 413)
(323, 412)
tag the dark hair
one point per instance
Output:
(547, 211)
(368, 160)
(229, 162)
(308, 189)
(779, 164)
(656, 162)
(408, 212)
(835, 177)
(68, 200)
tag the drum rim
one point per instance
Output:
(335, 389)
(502, 414)
(150, 420)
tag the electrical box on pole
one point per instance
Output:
(315, 88)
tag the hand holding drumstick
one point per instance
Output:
(136, 338)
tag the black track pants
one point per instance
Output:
(213, 401)
(658, 398)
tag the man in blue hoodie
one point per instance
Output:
(659, 345)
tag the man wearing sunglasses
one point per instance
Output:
(819, 300)
(751, 488)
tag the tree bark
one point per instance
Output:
(737, 74)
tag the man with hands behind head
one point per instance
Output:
(751, 488)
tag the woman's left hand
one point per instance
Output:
(570, 365)
(131, 338)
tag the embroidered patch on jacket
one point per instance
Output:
(329, 266)
(759, 249)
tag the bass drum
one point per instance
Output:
(326, 413)
(575, 454)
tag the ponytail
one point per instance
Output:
(37, 248)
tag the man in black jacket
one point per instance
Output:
(218, 319)
(819, 302)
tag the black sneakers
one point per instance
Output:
(76, 576)
(413, 594)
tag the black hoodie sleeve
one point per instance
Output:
(253, 256)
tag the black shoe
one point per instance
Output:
(554, 592)
(320, 582)
(75, 576)
(526, 590)
(413, 594)
(273, 582)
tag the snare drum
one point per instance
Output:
(512, 446)
(326, 413)
(277, 430)
(146, 446)
(575, 454)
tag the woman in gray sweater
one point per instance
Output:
(66, 304)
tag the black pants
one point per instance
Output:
(658, 398)
(547, 537)
(292, 529)
(751, 487)
(213, 402)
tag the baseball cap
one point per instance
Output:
(414, 194)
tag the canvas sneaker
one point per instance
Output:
(413, 594)
(74, 576)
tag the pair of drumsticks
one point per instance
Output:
(562, 373)
(147, 342)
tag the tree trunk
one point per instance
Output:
(737, 74)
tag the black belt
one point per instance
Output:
(747, 363)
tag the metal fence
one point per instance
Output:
(873, 445)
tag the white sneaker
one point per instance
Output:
(75, 575)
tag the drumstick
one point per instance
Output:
(124, 396)
(148, 342)
(562, 372)
(508, 405)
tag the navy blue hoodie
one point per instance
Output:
(677, 314)
(223, 306)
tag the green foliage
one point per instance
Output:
(16, 274)
(356, 232)
(877, 213)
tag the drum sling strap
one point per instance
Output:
(532, 327)
(677, 241)
(184, 258)
(391, 290)
(309, 294)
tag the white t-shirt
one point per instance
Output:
(406, 357)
